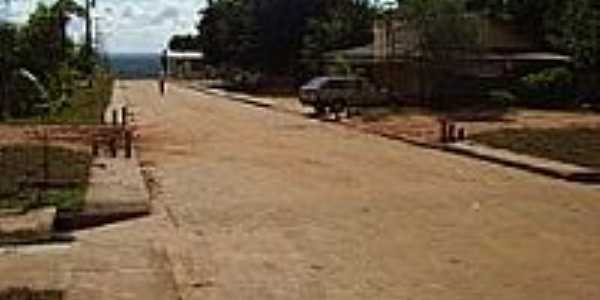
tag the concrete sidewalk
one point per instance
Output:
(538, 165)
(120, 261)
(123, 260)
(116, 192)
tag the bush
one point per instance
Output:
(550, 78)
(502, 99)
(549, 88)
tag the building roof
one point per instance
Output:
(188, 55)
(356, 52)
(366, 54)
(530, 56)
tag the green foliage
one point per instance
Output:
(580, 31)
(580, 146)
(24, 162)
(184, 42)
(501, 99)
(549, 88)
(29, 294)
(341, 67)
(42, 47)
(338, 25)
(23, 100)
(227, 32)
(445, 32)
(445, 35)
(85, 105)
(573, 25)
(550, 78)
(272, 36)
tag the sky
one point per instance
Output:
(127, 26)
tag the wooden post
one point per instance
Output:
(124, 116)
(95, 147)
(462, 134)
(128, 144)
(443, 131)
(113, 147)
(114, 117)
(452, 133)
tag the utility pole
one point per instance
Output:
(3, 76)
(88, 47)
(88, 27)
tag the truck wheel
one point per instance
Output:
(319, 110)
(337, 108)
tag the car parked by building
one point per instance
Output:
(336, 94)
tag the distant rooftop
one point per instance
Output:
(191, 55)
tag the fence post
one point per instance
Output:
(94, 147)
(452, 133)
(443, 131)
(124, 116)
(128, 143)
(114, 117)
(113, 147)
(462, 134)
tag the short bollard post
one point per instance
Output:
(113, 147)
(452, 133)
(124, 116)
(114, 117)
(128, 144)
(102, 120)
(95, 151)
(462, 134)
(443, 130)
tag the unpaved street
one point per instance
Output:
(268, 205)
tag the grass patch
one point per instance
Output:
(25, 162)
(84, 107)
(29, 294)
(87, 103)
(580, 146)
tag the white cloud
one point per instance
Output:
(126, 25)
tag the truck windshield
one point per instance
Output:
(315, 82)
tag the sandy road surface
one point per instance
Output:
(267, 205)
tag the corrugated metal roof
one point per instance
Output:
(190, 55)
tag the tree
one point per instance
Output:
(580, 31)
(571, 26)
(271, 36)
(184, 43)
(445, 36)
(43, 48)
(9, 61)
(226, 33)
(339, 25)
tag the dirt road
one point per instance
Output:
(268, 205)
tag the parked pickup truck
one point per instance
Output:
(337, 94)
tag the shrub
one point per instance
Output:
(550, 78)
(501, 99)
(549, 88)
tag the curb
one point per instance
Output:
(116, 192)
(233, 96)
(531, 164)
(31, 227)
(578, 174)
(90, 219)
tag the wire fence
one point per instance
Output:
(42, 169)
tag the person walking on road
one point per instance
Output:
(162, 83)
